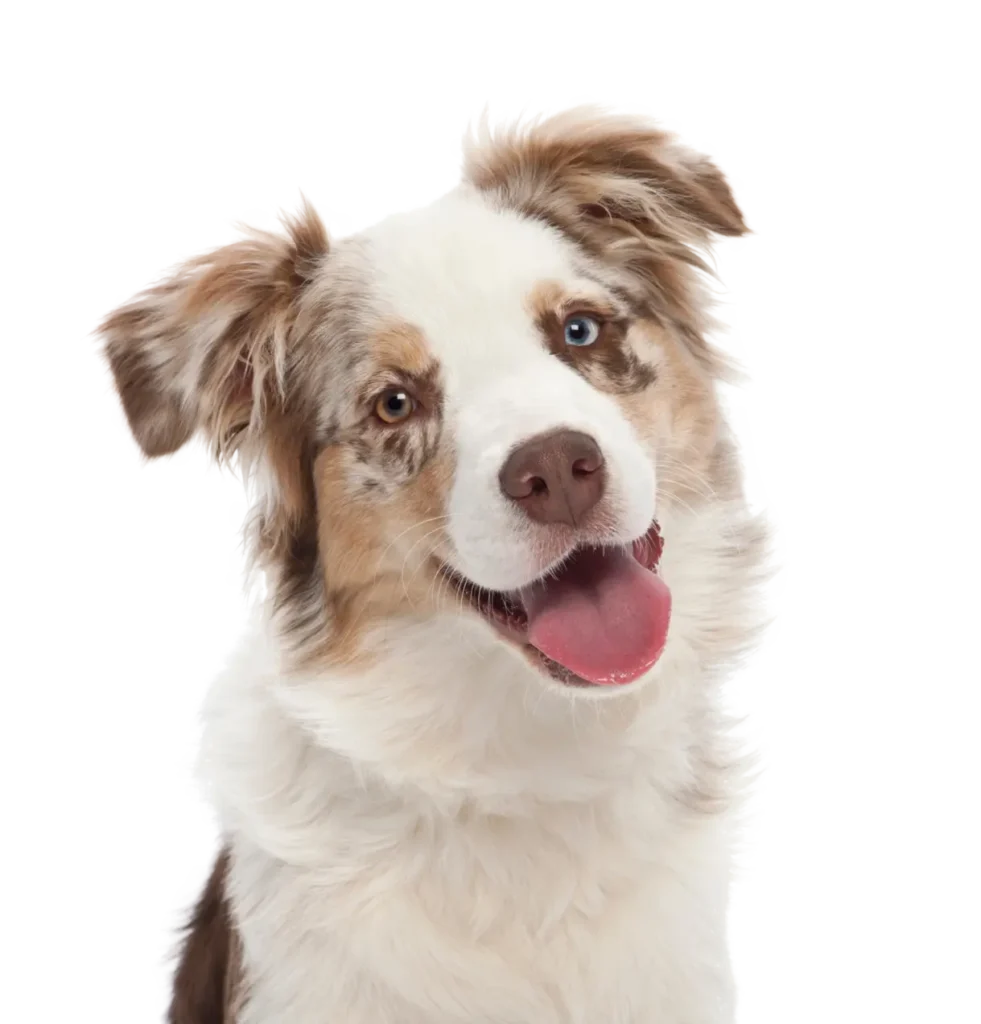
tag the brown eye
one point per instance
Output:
(394, 406)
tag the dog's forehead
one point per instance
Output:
(464, 273)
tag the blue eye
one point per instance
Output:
(581, 331)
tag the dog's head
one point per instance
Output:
(476, 409)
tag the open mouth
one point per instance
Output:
(599, 618)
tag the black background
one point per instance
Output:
(856, 308)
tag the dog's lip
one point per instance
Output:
(504, 611)
(502, 608)
(646, 549)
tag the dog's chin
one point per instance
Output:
(515, 615)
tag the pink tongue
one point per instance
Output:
(604, 616)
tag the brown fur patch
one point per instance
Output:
(208, 982)
(401, 346)
(679, 421)
(625, 192)
(609, 363)
(376, 552)
(292, 560)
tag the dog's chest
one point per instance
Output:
(569, 914)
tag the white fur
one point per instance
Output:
(442, 838)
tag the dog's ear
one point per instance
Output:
(627, 184)
(208, 348)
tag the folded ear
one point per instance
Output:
(208, 348)
(627, 184)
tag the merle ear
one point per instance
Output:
(614, 162)
(207, 347)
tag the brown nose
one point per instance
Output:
(556, 477)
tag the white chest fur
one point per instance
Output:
(561, 919)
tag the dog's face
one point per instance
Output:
(472, 410)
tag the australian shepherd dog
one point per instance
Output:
(470, 764)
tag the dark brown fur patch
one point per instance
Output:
(609, 363)
(159, 419)
(283, 532)
(207, 983)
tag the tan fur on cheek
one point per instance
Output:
(678, 422)
(351, 543)
(376, 553)
(425, 501)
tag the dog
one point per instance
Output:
(470, 764)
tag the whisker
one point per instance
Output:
(408, 554)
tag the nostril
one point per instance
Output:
(588, 464)
(538, 486)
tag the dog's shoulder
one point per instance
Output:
(207, 982)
